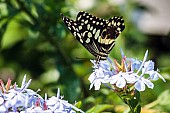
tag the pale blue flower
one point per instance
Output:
(57, 105)
(16, 99)
(36, 110)
(3, 109)
(2, 106)
(154, 75)
(135, 63)
(1, 100)
(141, 82)
(130, 72)
(121, 79)
(100, 75)
(148, 66)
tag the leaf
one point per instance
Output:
(163, 97)
(100, 108)
(14, 33)
(78, 104)
(138, 110)
(137, 95)
(133, 103)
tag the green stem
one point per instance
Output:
(152, 104)
(130, 107)
(128, 102)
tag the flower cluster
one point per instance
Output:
(131, 73)
(20, 99)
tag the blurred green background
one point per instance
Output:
(34, 41)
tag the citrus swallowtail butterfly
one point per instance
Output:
(95, 34)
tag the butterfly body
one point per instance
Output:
(95, 34)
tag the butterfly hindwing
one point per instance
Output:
(95, 34)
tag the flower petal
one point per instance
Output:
(114, 79)
(148, 83)
(155, 75)
(121, 82)
(139, 85)
(149, 65)
(97, 84)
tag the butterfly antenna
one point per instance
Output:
(78, 58)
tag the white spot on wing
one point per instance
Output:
(112, 22)
(86, 22)
(73, 27)
(81, 41)
(84, 14)
(91, 28)
(74, 34)
(84, 33)
(80, 27)
(115, 24)
(109, 24)
(97, 34)
(89, 34)
(94, 31)
(79, 18)
(88, 26)
(118, 29)
(118, 23)
(88, 40)
(77, 29)
(79, 35)
(75, 24)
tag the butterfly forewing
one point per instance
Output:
(92, 28)
(95, 34)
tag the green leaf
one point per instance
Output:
(14, 33)
(99, 108)
(78, 104)
(137, 95)
(164, 96)
(138, 110)
(133, 103)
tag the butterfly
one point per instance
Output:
(95, 34)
